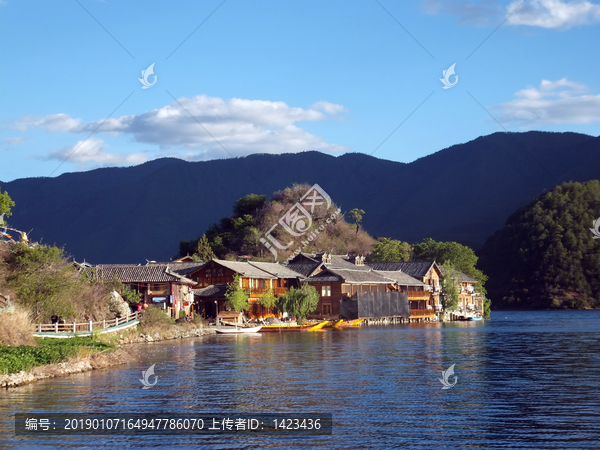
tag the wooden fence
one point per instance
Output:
(86, 328)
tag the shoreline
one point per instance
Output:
(101, 360)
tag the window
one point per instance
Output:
(347, 289)
(327, 309)
(325, 291)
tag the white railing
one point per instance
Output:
(88, 327)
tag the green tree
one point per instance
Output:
(462, 257)
(299, 302)
(268, 300)
(237, 297)
(356, 215)
(390, 250)
(249, 205)
(203, 250)
(42, 280)
(450, 286)
(5, 204)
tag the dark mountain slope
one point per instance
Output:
(462, 193)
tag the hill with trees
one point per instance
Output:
(546, 255)
(253, 216)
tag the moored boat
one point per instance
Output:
(474, 318)
(238, 330)
(284, 328)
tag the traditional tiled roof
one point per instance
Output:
(305, 269)
(276, 269)
(350, 276)
(334, 261)
(462, 276)
(185, 268)
(130, 273)
(245, 269)
(412, 268)
(345, 262)
(214, 290)
(400, 278)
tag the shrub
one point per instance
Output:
(155, 319)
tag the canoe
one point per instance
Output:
(293, 328)
(238, 330)
(333, 323)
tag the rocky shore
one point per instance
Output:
(99, 360)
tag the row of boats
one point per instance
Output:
(286, 328)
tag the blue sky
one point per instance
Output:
(273, 77)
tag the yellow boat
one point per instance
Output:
(291, 328)
(334, 323)
(350, 323)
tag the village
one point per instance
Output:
(349, 288)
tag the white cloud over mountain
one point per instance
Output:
(190, 127)
(90, 152)
(553, 102)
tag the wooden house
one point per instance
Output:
(426, 301)
(335, 276)
(333, 284)
(470, 302)
(256, 278)
(162, 284)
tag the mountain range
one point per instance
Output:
(462, 193)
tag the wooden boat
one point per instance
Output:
(293, 328)
(238, 330)
(333, 323)
(350, 323)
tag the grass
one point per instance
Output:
(15, 327)
(48, 351)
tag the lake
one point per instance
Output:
(524, 380)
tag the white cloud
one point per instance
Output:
(241, 126)
(90, 152)
(553, 102)
(12, 141)
(554, 13)
(535, 13)
(55, 123)
(483, 13)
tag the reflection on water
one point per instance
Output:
(525, 380)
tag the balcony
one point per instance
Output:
(418, 295)
(421, 313)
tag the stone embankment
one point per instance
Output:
(99, 360)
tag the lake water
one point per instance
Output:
(525, 380)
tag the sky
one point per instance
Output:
(232, 78)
